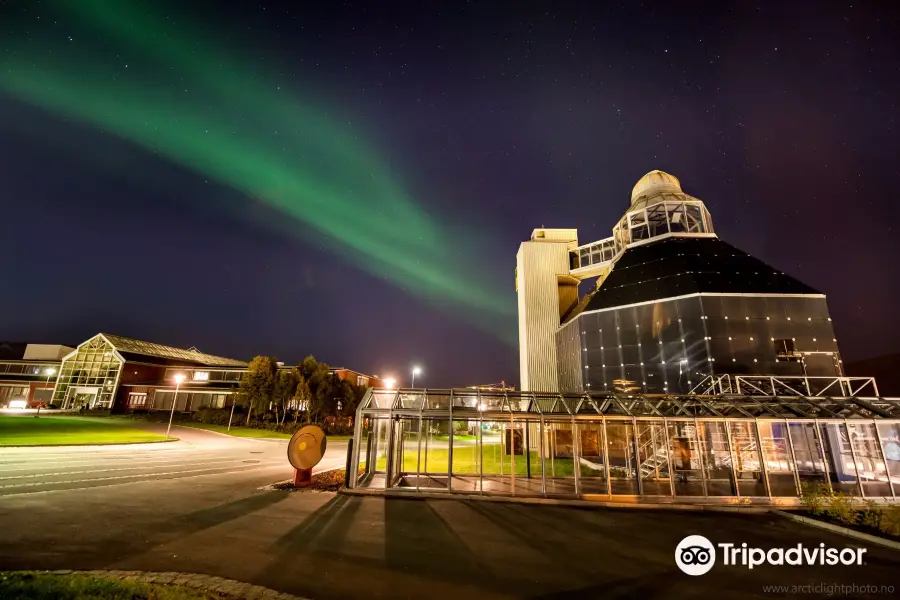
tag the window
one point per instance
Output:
(201, 376)
(784, 350)
(137, 399)
(362, 381)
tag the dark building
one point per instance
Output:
(675, 309)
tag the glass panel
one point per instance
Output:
(840, 459)
(869, 463)
(466, 466)
(779, 466)
(592, 469)
(716, 458)
(375, 433)
(435, 455)
(686, 462)
(502, 453)
(890, 443)
(406, 453)
(807, 453)
(559, 466)
(622, 457)
(747, 467)
(653, 457)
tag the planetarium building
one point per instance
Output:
(691, 372)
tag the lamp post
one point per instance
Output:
(49, 373)
(178, 379)
(415, 371)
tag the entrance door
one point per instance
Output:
(86, 400)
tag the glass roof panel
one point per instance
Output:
(193, 355)
(467, 405)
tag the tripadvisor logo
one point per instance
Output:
(696, 555)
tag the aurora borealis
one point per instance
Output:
(352, 179)
(195, 101)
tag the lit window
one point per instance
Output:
(137, 399)
(201, 376)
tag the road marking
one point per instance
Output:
(24, 466)
(142, 466)
(88, 487)
(137, 476)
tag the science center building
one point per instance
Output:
(692, 372)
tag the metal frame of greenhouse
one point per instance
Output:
(629, 448)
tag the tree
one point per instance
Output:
(285, 388)
(258, 383)
(302, 397)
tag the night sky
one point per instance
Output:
(352, 180)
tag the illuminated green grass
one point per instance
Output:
(494, 461)
(26, 430)
(250, 432)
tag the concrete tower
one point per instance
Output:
(546, 292)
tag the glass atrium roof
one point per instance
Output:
(474, 404)
(124, 344)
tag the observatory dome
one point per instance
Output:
(655, 183)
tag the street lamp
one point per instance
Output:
(179, 377)
(49, 371)
(415, 371)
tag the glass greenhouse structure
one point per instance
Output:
(630, 448)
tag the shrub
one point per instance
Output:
(871, 515)
(813, 496)
(890, 520)
(839, 507)
(214, 416)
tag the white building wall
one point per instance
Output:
(537, 265)
(46, 352)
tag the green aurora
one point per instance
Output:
(167, 86)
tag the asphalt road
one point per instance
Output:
(198, 457)
(199, 509)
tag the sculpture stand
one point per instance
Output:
(302, 477)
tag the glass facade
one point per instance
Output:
(88, 377)
(670, 346)
(595, 446)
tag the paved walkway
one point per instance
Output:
(322, 546)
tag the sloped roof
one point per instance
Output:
(132, 346)
(681, 266)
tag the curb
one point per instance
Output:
(230, 587)
(2, 446)
(745, 509)
(271, 487)
(228, 435)
(846, 531)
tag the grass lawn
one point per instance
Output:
(43, 586)
(465, 461)
(26, 430)
(249, 432)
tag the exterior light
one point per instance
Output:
(178, 378)
(416, 370)
(389, 382)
